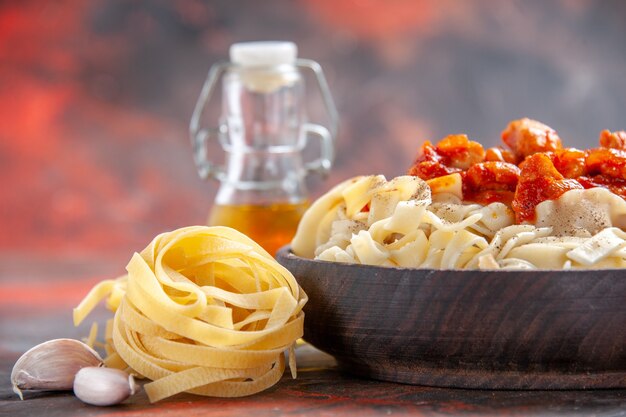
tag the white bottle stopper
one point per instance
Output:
(263, 54)
(265, 66)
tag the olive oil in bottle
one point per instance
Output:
(271, 226)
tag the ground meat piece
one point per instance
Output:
(539, 180)
(454, 153)
(492, 181)
(460, 152)
(615, 140)
(570, 162)
(610, 163)
(499, 154)
(430, 164)
(526, 137)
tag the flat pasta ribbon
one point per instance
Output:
(203, 310)
(369, 220)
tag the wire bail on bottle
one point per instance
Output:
(248, 58)
(263, 130)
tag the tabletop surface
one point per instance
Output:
(35, 305)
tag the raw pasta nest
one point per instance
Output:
(396, 223)
(203, 310)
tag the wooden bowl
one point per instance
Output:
(468, 329)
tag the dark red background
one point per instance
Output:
(95, 98)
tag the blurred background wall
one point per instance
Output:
(95, 98)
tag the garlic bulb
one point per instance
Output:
(52, 365)
(103, 386)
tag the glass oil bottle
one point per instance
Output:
(263, 130)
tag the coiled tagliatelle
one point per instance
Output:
(203, 310)
(370, 220)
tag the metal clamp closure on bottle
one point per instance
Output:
(200, 135)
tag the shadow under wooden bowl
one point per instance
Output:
(468, 328)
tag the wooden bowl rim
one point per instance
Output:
(286, 253)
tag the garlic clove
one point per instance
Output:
(52, 365)
(103, 386)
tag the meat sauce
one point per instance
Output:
(533, 168)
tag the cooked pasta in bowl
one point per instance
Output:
(371, 221)
(497, 268)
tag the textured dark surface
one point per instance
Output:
(469, 329)
(321, 390)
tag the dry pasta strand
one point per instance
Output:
(203, 310)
